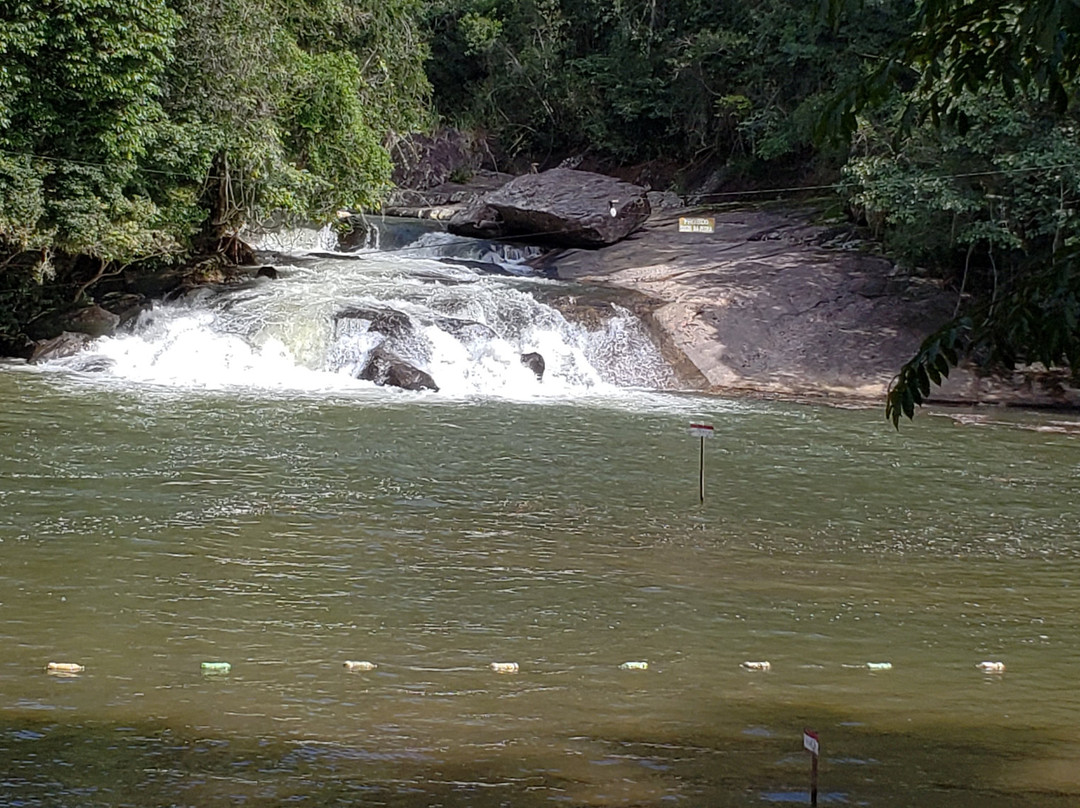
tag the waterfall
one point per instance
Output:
(464, 315)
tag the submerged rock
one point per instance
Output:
(468, 331)
(387, 369)
(563, 206)
(534, 362)
(66, 344)
(388, 322)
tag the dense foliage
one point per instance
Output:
(726, 81)
(134, 128)
(112, 113)
(976, 174)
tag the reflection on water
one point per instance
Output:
(144, 533)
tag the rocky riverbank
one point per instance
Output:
(762, 306)
(770, 303)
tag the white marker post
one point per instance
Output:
(813, 746)
(701, 431)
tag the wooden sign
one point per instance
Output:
(697, 224)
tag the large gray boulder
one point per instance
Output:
(562, 207)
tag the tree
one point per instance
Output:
(999, 80)
(139, 128)
(684, 81)
(79, 88)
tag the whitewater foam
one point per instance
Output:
(317, 325)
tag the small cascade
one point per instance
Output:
(296, 241)
(485, 255)
(417, 318)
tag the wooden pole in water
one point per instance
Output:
(701, 431)
(812, 745)
(701, 471)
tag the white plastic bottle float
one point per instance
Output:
(359, 665)
(63, 669)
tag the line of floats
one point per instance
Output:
(362, 665)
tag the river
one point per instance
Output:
(206, 491)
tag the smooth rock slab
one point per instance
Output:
(760, 306)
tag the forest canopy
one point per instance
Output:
(121, 119)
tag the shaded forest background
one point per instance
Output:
(135, 132)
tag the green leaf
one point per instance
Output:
(924, 382)
(907, 402)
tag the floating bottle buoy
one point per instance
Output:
(216, 667)
(634, 666)
(504, 667)
(65, 668)
(359, 665)
(756, 666)
(879, 666)
(991, 667)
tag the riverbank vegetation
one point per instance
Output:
(153, 128)
(136, 131)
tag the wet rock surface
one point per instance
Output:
(92, 320)
(63, 345)
(534, 362)
(387, 369)
(388, 322)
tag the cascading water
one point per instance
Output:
(442, 309)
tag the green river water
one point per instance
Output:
(147, 528)
(144, 532)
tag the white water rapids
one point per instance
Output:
(466, 327)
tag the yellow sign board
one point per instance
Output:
(691, 224)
